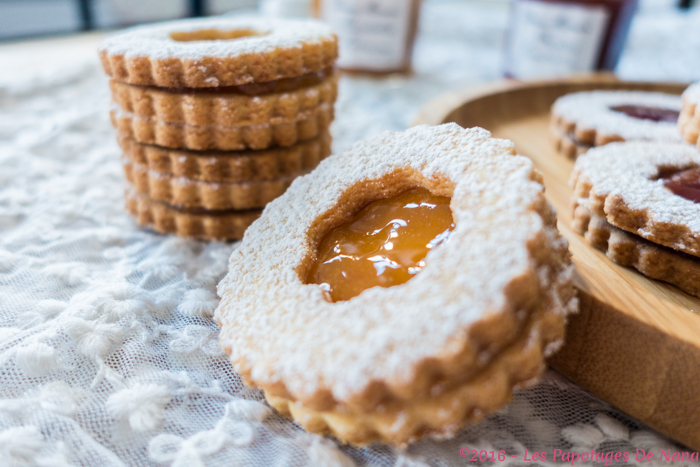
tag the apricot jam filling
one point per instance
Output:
(383, 245)
(655, 114)
(685, 183)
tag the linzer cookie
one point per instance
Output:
(596, 118)
(242, 166)
(218, 116)
(215, 52)
(650, 193)
(186, 192)
(689, 121)
(277, 132)
(652, 260)
(354, 255)
(195, 223)
(254, 104)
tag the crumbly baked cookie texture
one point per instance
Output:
(222, 108)
(621, 182)
(588, 118)
(217, 116)
(277, 132)
(445, 411)
(384, 365)
(566, 145)
(230, 166)
(200, 224)
(652, 260)
(189, 193)
(211, 52)
(689, 120)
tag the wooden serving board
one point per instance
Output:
(636, 341)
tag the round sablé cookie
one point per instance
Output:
(626, 249)
(223, 106)
(596, 118)
(624, 184)
(230, 166)
(194, 223)
(214, 52)
(390, 363)
(277, 132)
(190, 193)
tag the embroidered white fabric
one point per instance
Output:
(108, 353)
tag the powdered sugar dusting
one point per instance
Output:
(154, 41)
(286, 330)
(631, 171)
(61, 200)
(593, 110)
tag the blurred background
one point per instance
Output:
(28, 18)
(24, 18)
(458, 43)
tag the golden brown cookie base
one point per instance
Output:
(582, 134)
(242, 166)
(205, 225)
(636, 219)
(484, 339)
(212, 137)
(626, 249)
(689, 122)
(222, 109)
(188, 193)
(221, 71)
(517, 366)
(444, 405)
(388, 388)
(566, 145)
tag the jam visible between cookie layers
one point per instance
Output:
(685, 183)
(383, 245)
(655, 114)
(259, 89)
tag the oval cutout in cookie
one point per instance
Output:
(383, 245)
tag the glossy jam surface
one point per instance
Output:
(685, 183)
(655, 114)
(383, 245)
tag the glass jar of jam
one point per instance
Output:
(549, 38)
(375, 36)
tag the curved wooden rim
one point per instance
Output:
(635, 342)
(442, 108)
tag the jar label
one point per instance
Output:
(372, 34)
(550, 39)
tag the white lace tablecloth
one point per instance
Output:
(108, 352)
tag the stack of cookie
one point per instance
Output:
(584, 120)
(216, 117)
(639, 201)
